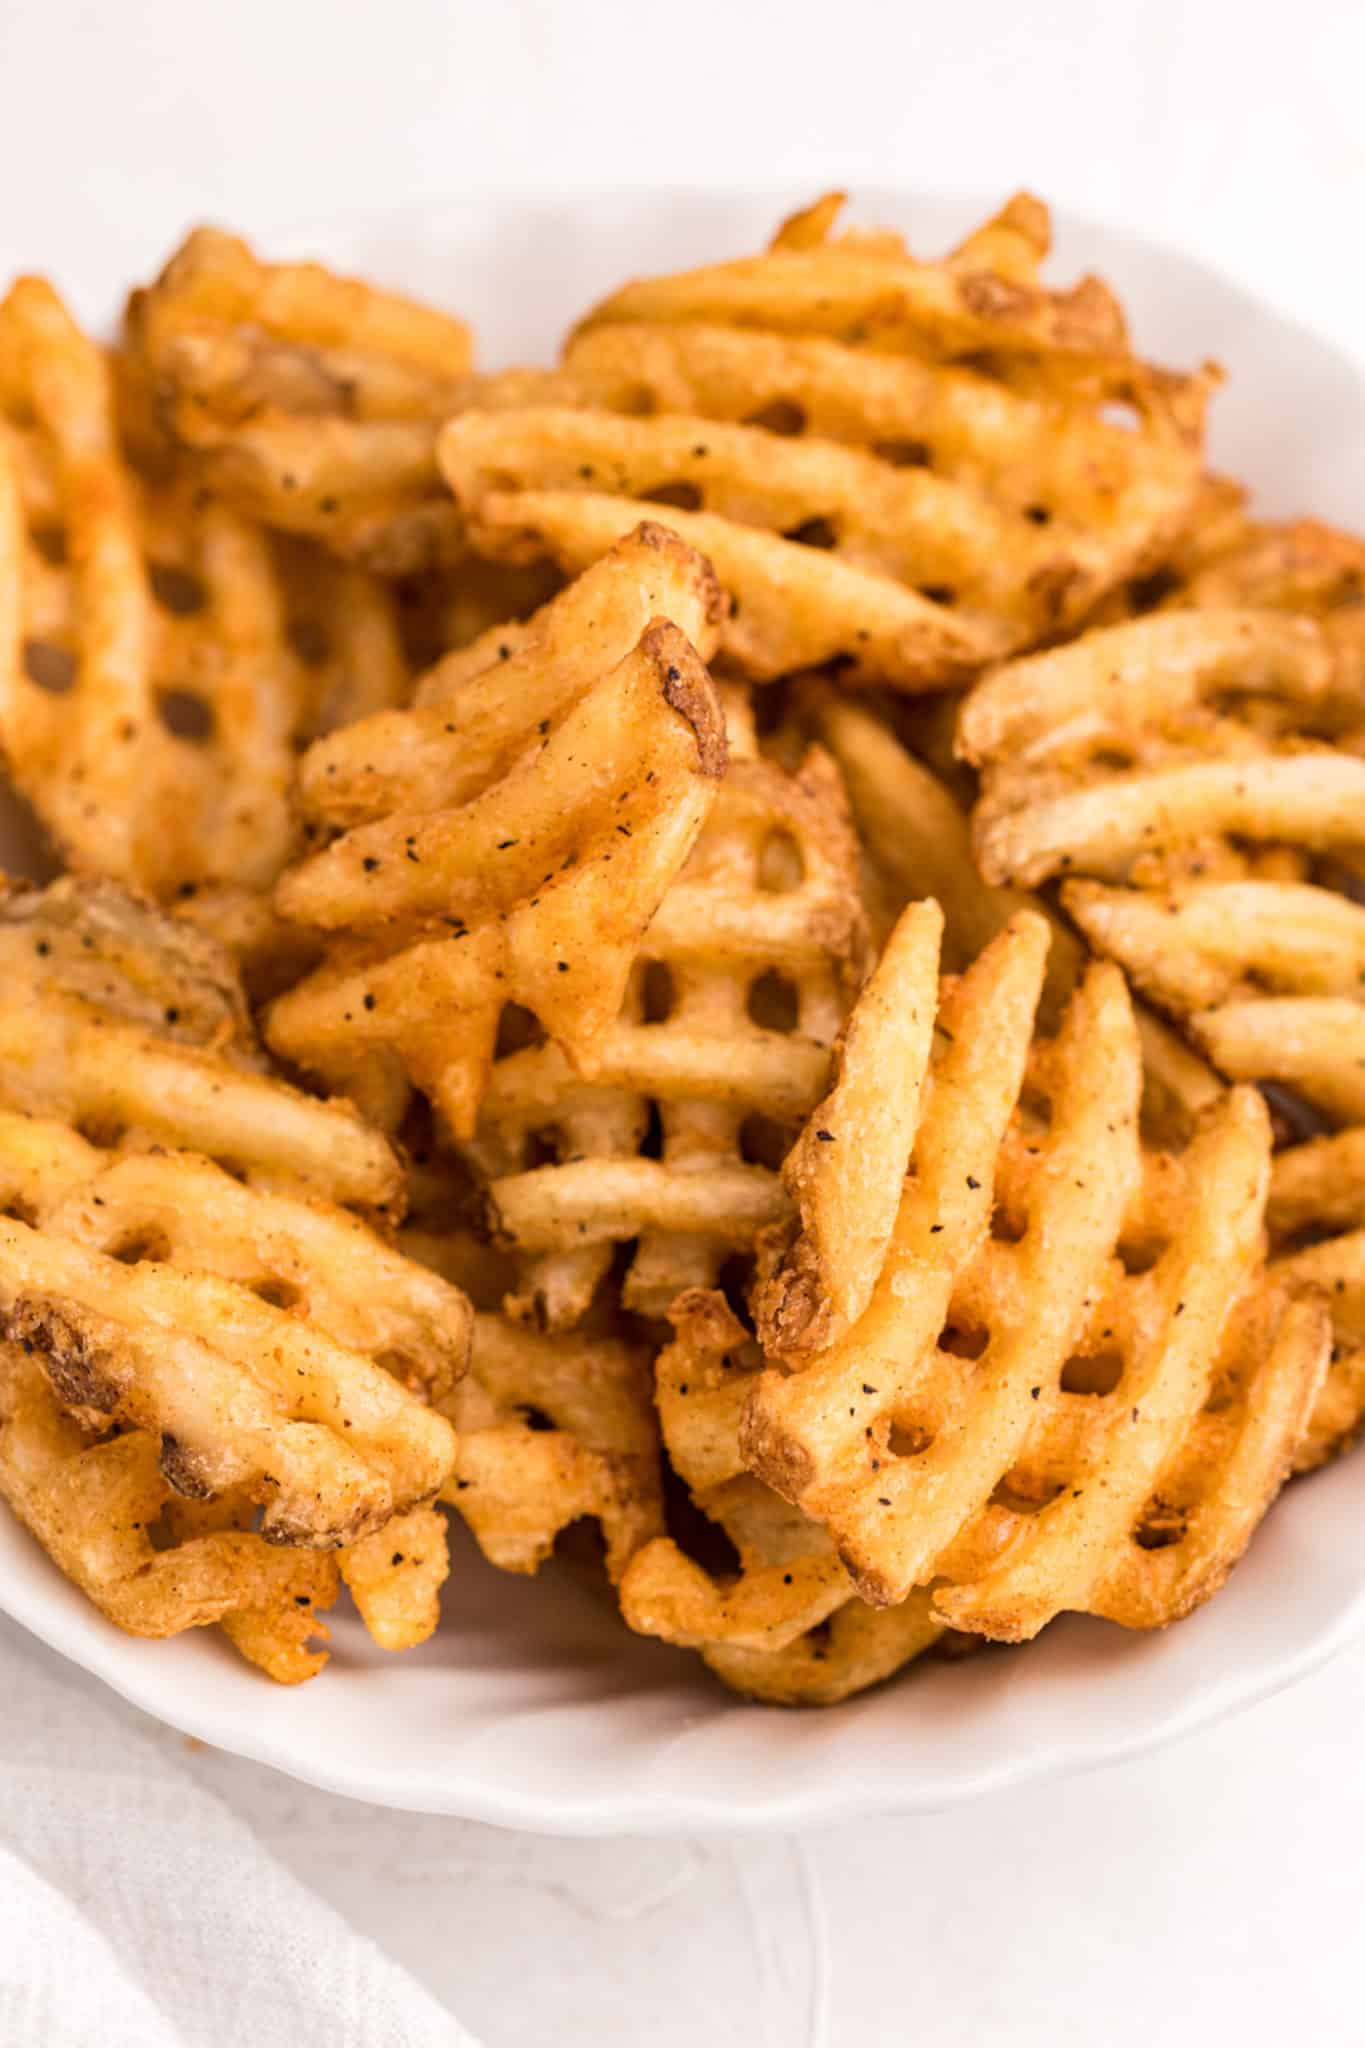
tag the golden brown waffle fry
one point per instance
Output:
(333, 1277)
(782, 1624)
(907, 484)
(160, 1293)
(554, 1429)
(918, 843)
(93, 1505)
(126, 1023)
(1111, 759)
(1103, 753)
(844, 1173)
(241, 1393)
(149, 691)
(1002, 1376)
(395, 1577)
(1028, 509)
(857, 1647)
(1302, 567)
(1316, 1215)
(308, 1257)
(742, 985)
(512, 848)
(788, 1578)
(311, 400)
(869, 291)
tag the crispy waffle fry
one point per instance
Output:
(311, 400)
(93, 1503)
(1111, 759)
(907, 483)
(236, 1325)
(999, 1378)
(242, 1395)
(1027, 509)
(395, 1577)
(742, 986)
(869, 291)
(331, 1274)
(918, 843)
(844, 1173)
(788, 1578)
(304, 1256)
(554, 1429)
(149, 691)
(857, 1647)
(1302, 567)
(126, 1023)
(517, 846)
(784, 1624)
(1104, 752)
(1316, 1215)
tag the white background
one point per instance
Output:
(1207, 1893)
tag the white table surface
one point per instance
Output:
(1209, 1892)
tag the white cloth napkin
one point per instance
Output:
(137, 1911)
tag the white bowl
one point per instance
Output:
(534, 1706)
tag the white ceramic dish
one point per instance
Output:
(533, 1706)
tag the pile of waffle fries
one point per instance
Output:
(754, 941)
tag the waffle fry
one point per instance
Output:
(844, 1173)
(1316, 1216)
(1074, 780)
(895, 466)
(516, 854)
(859, 1646)
(242, 1394)
(743, 984)
(395, 1577)
(1028, 509)
(867, 290)
(553, 1429)
(917, 842)
(310, 400)
(150, 694)
(1303, 567)
(919, 1463)
(330, 1275)
(784, 1624)
(92, 1504)
(126, 1023)
(788, 1578)
(1154, 785)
